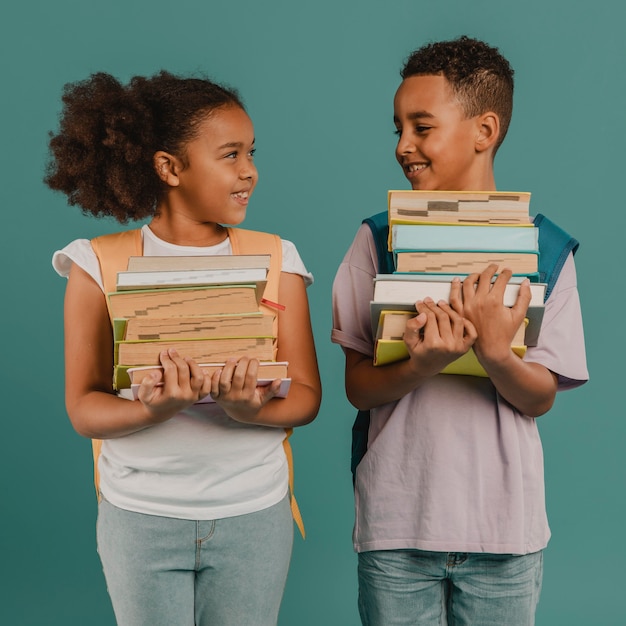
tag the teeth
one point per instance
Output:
(415, 167)
(241, 194)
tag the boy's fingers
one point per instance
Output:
(523, 300)
(502, 280)
(485, 278)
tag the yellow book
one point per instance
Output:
(390, 347)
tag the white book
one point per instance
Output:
(408, 288)
(401, 291)
(285, 384)
(127, 281)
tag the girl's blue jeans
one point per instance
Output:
(165, 571)
(414, 587)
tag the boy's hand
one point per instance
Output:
(235, 389)
(495, 323)
(183, 384)
(439, 334)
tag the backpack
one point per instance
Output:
(554, 246)
(113, 252)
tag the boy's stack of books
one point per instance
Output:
(205, 307)
(437, 235)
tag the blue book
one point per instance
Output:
(454, 238)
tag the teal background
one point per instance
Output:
(318, 80)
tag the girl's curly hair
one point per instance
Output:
(101, 158)
(480, 77)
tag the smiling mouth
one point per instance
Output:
(241, 195)
(415, 167)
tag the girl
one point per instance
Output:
(194, 522)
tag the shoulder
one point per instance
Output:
(362, 253)
(79, 251)
(293, 263)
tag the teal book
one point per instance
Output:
(465, 238)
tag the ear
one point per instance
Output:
(167, 167)
(488, 131)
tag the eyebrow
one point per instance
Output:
(234, 144)
(416, 115)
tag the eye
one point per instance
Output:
(252, 153)
(420, 128)
(231, 155)
(397, 132)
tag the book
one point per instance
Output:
(487, 207)
(132, 393)
(195, 327)
(437, 238)
(390, 347)
(200, 350)
(202, 262)
(400, 292)
(156, 279)
(185, 301)
(526, 263)
(413, 287)
(469, 365)
(466, 365)
(268, 370)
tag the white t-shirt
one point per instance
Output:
(452, 466)
(200, 464)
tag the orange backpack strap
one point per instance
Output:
(254, 242)
(113, 252)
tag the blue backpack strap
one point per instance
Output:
(554, 248)
(379, 225)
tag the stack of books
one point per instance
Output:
(437, 235)
(205, 307)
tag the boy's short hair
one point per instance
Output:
(480, 77)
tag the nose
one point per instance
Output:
(248, 171)
(405, 144)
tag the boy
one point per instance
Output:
(450, 512)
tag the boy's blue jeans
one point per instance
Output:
(415, 587)
(162, 571)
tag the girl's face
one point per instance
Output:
(219, 174)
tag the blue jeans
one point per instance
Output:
(165, 571)
(414, 587)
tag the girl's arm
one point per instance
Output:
(234, 388)
(94, 409)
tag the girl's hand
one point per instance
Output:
(439, 334)
(183, 384)
(235, 389)
(495, 323)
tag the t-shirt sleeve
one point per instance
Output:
(293, 264)
(80, 252)
(561, 345)
(353, 289)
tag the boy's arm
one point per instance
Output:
(530, 387)
(437, 336)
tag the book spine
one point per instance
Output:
(464, 238)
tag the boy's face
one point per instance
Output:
(436, 142)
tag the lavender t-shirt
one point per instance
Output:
(452, 466)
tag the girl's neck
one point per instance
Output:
(182, 231)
